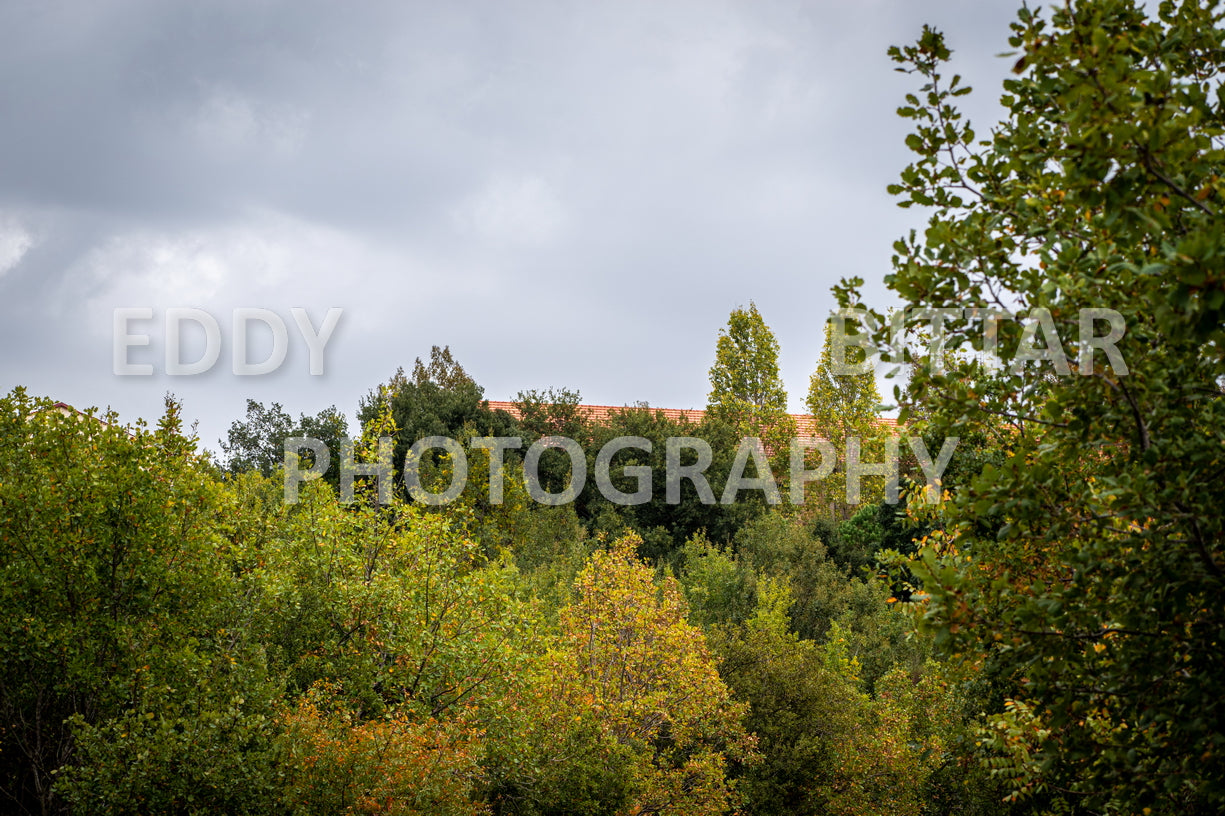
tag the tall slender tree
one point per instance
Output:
(843, 406)
(746, 390)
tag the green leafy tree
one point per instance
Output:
(555, 412)
(552, 412)
(440, 399)
(798, 709)
(827, 745)
(746, 390)
(845, 405)
(398, 640)
(397, 605)
(257, 442)
(1086, 567)
(720, 588)
(126, 683)
(443, 370)
(630, 671)
(329, 426)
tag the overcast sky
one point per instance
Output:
(566, 194)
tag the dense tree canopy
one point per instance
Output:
(181, 638)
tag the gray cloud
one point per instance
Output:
(566, 194)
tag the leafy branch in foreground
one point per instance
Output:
(1085, 567)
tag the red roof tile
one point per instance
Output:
(600, 413)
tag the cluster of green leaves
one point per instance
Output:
(1083, 568)
(257, 442)
(851, 713)
(127, 678)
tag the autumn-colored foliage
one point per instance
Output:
(396, 765)
(628, 655)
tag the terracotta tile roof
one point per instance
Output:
(68, 411)
(600, 413)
